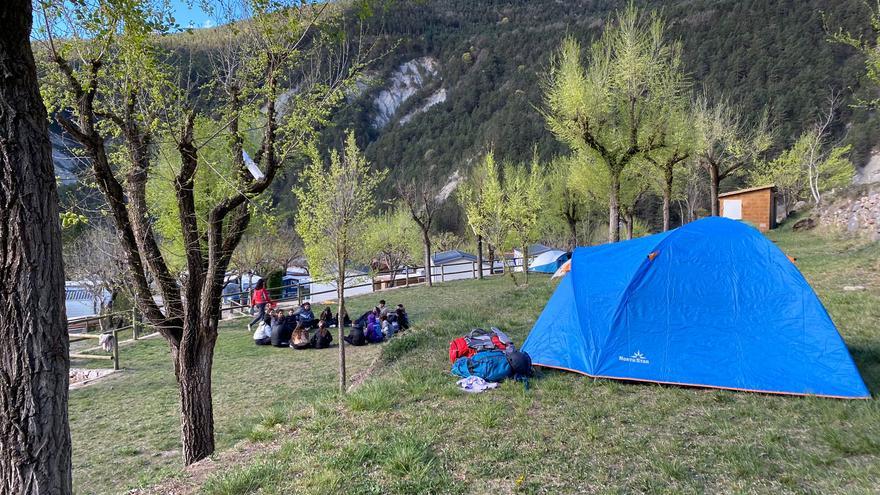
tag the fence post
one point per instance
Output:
(474, 269)
(134, 323)
(406, 274)
(299, 293)
(442, 273)
(115, 350)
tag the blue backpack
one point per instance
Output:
(491, 366)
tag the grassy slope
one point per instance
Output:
(409, 430)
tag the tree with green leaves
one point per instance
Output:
(35, 452)
(108, 84)
(613, 109)
(392, 241)
(336, 201)
(868, 48)
(565, 206)
(668, 160)
(725, 144)
(485, 206)
(471, 198)
(809, 168)
(524, 198)
(422, 200)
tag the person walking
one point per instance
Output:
(260, 299)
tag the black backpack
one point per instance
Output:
(520, 365)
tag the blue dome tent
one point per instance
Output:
(549, 261)
(713, 303)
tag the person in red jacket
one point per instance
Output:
(259, 299)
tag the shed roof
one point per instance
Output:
(751, 189)
(450, 256)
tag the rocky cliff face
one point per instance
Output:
(407, 80)
(856, 210)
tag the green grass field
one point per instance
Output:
(408, 430)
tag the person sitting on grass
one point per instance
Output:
(263, 333)
(305, 316)
(389, 328)
(282, 329)
(300, 339)
(326, 316)
(356, 336)
(402, 317)
(259, 299)
(383, 309)
(374, 330)
(346, 320)
(322, 338)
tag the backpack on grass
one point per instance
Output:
(479, 340)
(491, 366)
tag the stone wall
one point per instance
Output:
(855, 210)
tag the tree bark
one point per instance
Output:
(35, 454)
(426, 240)
(340, 313)
(714, 184)
(667, 198)
(525, 250)
(614, 209)
(480, 256)
(572, 231)
(193, 362)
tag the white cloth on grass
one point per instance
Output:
(475, 384)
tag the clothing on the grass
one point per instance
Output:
(263, 341)
(475, 384)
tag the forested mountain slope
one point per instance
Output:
(489, 58)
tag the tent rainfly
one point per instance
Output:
(713, 304)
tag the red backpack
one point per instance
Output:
(459, 348)
(478, 340)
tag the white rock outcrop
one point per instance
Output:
(404, 82)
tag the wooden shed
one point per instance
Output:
(756, 205)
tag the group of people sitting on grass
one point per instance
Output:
(378, 324)
(295, 328)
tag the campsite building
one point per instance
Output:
(756, 206)
(456, 265)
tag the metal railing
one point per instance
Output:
(402, 278)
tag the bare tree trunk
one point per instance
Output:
(426, 240)
(714, 184)
(572, 231)
(193, 363)
(480, 256)
(614, 209)
(491, 259)
(667, 199)
(340, 313)
(629, 221)
(526, 263)
(34, 362)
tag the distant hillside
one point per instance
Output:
(467, 75)
(463, 76)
